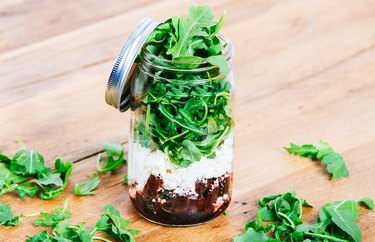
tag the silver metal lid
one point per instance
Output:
(117, 93)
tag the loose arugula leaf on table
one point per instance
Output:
(58, 220)
(4, 158)
(366, 202)
(280, 219)
(322, 151)
(252, 235)
(27, 174)
(114, 225)
(110, 223)
(87, 188)
(115, 157)
(284, 209)
(8, 179)
(29, 163)
(41, 237)
(6, 216)
(64, 169)
(27, 189)
(51, 219)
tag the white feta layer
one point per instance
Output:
(144, 162)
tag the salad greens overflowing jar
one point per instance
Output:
(179, 86)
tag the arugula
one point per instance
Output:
(200, 18)
(27, 174)
(64, 169)
(185, 113)
(110, 223)
(87, 188)
(322, 151)
(115, 157)
(51, 219)
(26, 189)
(280, 219)
(114, 225)
(6, 216)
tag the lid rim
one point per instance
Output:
(116, 85)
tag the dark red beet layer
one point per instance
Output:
(162, 206)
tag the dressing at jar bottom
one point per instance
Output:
(212, 196)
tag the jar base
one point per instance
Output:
(174, 225)
(167, 208)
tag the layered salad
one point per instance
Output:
(181, 144)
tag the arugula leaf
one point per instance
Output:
(252, 235)
(4, 158)
(279, 219)
(190, 153)
(366, 202)
(322, 151)
(26, 189)
(64, 230)
(58, 219)
(335, 165)
(200, 17)
(64, 169)
(6, 216)
(51, 179)
(51, 219)
(28, 162)
(343, 214)
(8, 180)
(257, 224)
(284, 209)
(114, 225)
(27, 169)
(87, 188)
(219, 61)
(115, 157)
(41, 237)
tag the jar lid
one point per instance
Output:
(117, 93)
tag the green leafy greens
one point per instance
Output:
(185, 113)
(280, 219)
(110, 223)
(6, 216)
(87, 188)
(53, 218)
(27, 174)
(115, 157)
(114, 225)
(322, 151)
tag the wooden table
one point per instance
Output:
(305, 70)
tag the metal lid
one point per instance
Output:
(117, 93)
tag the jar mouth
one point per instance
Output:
(196, 67)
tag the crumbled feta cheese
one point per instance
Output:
(144, 162)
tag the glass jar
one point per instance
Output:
(181, 140)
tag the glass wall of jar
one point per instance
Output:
(181, 140)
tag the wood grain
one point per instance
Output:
(304, 70)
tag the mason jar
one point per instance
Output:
(180, 147)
